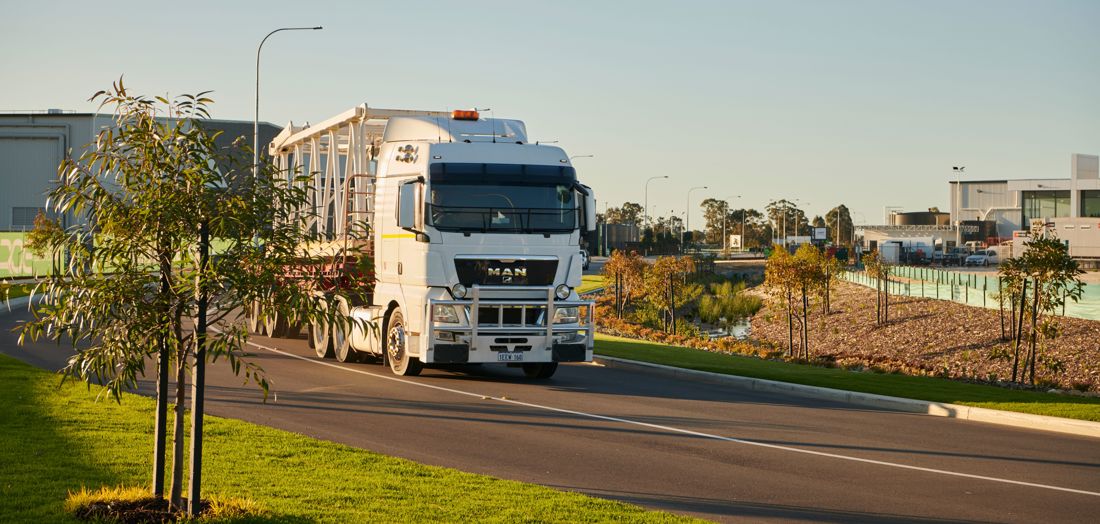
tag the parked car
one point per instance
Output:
(584, 259)
(955, 257)
(982, 258)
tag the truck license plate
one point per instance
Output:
(510, 357)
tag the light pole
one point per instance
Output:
(958, 205)
(687, 213)
(647, 196)
(256, 121)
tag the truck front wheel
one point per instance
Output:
(541, 370)
(397, 350)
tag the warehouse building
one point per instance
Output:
(994, 211)
(33, 144)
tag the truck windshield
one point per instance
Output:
(512, 207)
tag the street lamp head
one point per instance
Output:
(318, 28)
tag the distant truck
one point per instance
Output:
(473, 231)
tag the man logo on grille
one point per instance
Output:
(507, 275)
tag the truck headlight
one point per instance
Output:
(562, 292)
(566, 315)
(445, 314)
(459, 291)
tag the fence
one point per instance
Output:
(965, 288)
(16, 260)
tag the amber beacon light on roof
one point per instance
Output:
(465, 114)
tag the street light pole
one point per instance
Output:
(647, 196)
(256, 120)
(687, 213)
(958, 205)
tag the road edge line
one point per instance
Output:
(1083, 428)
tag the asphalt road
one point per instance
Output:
(700, 449)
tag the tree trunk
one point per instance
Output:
(160, 430)
(886, 303)
(1034, 335)
(1001, 305)
(805, 323)
(878, 301)
(790, 325)
(177, 430)
(672, 302)
(1018, 328)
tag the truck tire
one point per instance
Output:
(252, 319)
(341, 341)
(540, 370)
(320, 338)
(275, 325)
(397, 351)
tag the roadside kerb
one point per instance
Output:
(939, 409)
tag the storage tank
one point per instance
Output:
(921, 218)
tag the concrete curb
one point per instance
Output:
(1082, 428)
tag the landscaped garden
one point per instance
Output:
(814, 329)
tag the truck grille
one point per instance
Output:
(507, 315)
(517, 272)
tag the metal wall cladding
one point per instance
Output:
(518, 272)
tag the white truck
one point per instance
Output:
(473, 231)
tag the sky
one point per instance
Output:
(865, 103)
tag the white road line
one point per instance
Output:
(671, 429)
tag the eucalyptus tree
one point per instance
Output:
(879, 270)
(1055, 278)
(810, 277)
(781, 280)
(135, 276)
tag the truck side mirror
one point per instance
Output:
(407, 205)
(590, 211)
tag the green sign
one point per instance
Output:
(16, 261)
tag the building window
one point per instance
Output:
(1045, 204)
(1090, 204)
(24, 216)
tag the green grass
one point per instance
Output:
(896, 385)
(55, 440)
(590, 282)
(12, 291)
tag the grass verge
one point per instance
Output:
(895, 385)
(590, 283)
(58, 440)
(12, 291)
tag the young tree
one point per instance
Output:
(878, 269)
(666, 287)
(781, 280)
(145, 195)
(624, 273)
(830, 274)
(808, 269)
(1055, 277)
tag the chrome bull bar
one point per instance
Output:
(544, 326)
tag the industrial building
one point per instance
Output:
(993, 211)
(33, 144)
